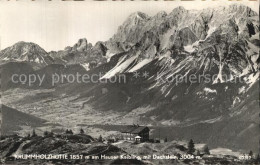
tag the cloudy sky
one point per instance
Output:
(56, 24)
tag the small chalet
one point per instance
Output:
(135, 133)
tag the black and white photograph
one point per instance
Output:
(129, 82)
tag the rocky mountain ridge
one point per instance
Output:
(26, 51)
(195, 32)
(82, 53)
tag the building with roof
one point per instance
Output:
(131, 131)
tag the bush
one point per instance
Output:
(82, 131)
(251, 153)
(206, 150)
(180, 147)
(48, 134)
(69, 131)
(33, 133)
(100, 139)
(191, 147)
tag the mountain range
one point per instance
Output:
(156, 54)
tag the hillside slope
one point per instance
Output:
(13, 120)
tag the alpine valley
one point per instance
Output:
(154, 55)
